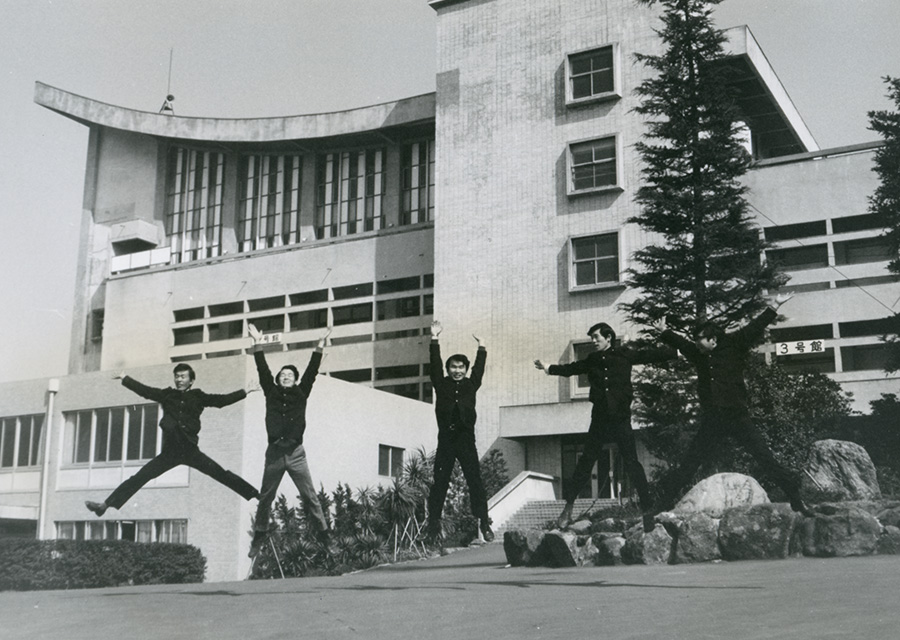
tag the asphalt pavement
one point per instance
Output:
(472, 594)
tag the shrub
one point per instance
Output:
(78, 564)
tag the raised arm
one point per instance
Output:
(259, 357)
(312, 369)
(436, 366)
(151, 393)
(478, 367)
(751, 332)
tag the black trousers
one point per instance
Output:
(606, 429)
(176, 451)
(453, 446)
(717, 424)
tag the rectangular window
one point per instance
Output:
(269, 206)
(591, 75)
(269, 324)
(350, 188)
(808, 332)
(865, 282)
(862, 222)
(397, 285)
(312, 319)
(352, 291)
(822, 362)
(593, 165)
(225, 309)
(398, 308)
(309, 297)
(97, 325)
(20, 441)
(876, 327)
(409, 390)
(352, 314)
(390, 461)
(595, 260)
(264, 304)
(793, 231)
(194, 193)
(226, 330)
(184, 315)
(861, 251)
(417, 182)
(171, 531)
(353, 375)
(397, 371)
(796, 258)
(111, 434)
(866, 357)
(188, 335)
(428, 304)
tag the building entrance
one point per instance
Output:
(609, 486)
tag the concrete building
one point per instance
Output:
(497, 204)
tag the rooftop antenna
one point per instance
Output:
(167, 108)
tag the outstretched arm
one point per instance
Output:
(312, 368)
(478, 367)
(259, 357)
(151, 393)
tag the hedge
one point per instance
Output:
(27, 565)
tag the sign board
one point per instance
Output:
(270, 338)
(799, 346)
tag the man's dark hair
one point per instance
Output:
(184, 367)
(291, 368)
(605, 330)
(457, 357)
(709, 330)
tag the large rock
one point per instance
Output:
(840, 530)
(559, 549)
(607, 549)
(889, 515)
(763, 531)
(647, 548)
(523, 547)
(722, 491)
(889, 542)
(696, 538)
(840, 470)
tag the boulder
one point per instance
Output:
(609, 525)
(696, 538)
(889, 542)
(889, 516)
(840, 470)
(522, 547)
(580, 528)
(647, 548)
(722, 491)
(840, 530)
(607, 549)
(558, 549)
(759, 532)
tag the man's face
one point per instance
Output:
(600, 343)
(286, 378)
(183, 380)
(456, 369)
(706, 344)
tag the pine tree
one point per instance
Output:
(885, 202)
(708, 264)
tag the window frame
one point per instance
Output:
(614, 94)
(616, 186)
(612, 284)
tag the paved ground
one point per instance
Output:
(472, 595)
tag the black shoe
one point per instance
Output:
(801, 507)
(259, 539)
(565, 518)
(433, 532)
(486, 533)
(98, 508)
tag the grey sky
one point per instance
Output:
(234, 58)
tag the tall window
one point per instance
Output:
(349, 192)
(592, 165)
(595, 260)
(591, 74)
(20, 441)
(417, 182)
(390, 461)
(269, 209)
(194, 204)
(112, 434)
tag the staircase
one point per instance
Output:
(536, 513)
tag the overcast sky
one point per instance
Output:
(237, 58)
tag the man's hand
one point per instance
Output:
(540, 365)
(255, 334)
(478, 340)
(436, 328)
(781, 298)
(254, 386)
(660, 325)
(324, 339)
(119, 375)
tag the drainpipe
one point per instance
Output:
(52, 389)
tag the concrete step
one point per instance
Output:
(537, 513)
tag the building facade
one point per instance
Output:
(497, 204)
